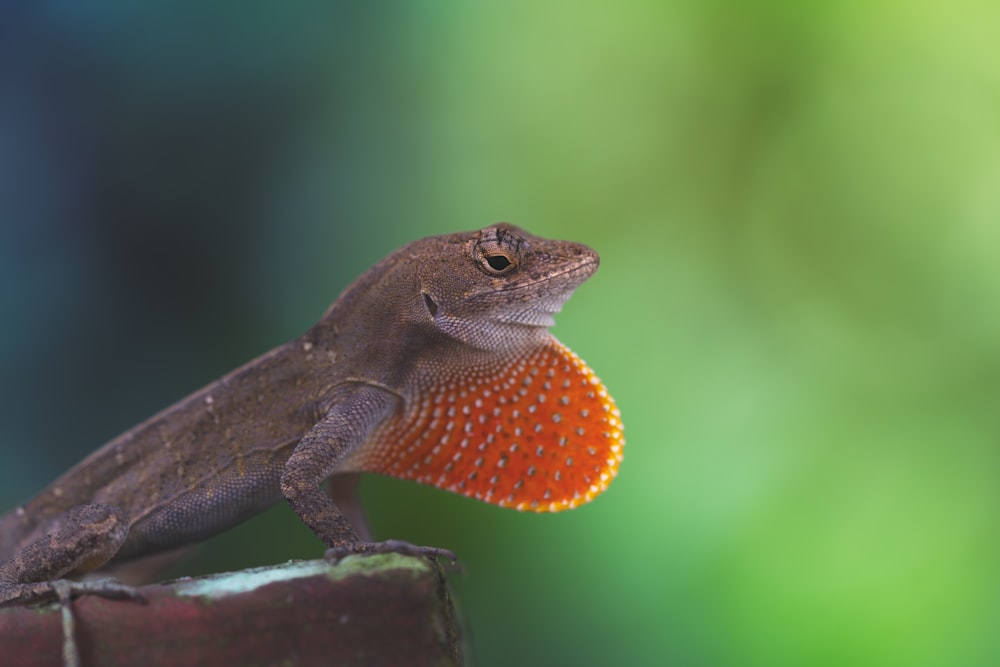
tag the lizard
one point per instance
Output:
(436, 365)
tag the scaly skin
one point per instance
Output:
(435, 365)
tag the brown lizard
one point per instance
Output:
(436, 365)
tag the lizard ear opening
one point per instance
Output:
(432, 306)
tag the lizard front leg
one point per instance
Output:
(321, 452)
(87, 539)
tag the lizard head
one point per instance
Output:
(500, 286)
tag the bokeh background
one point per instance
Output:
(798, 310)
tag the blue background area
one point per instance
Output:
(797, 207)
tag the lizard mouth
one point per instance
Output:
(535, 299)
(572, 276)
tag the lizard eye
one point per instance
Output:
(498, 251)
(498, 262)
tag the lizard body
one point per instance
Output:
(435, 365)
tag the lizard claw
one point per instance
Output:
(389, 546)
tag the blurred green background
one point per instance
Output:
(798, 211)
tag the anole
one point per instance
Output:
(436, 365)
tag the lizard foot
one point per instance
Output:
(105, 588)
(389, 546)
(64, 589)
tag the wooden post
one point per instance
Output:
(384, 609)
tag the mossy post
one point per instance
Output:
(383, 609)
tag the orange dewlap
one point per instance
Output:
(542, 435)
